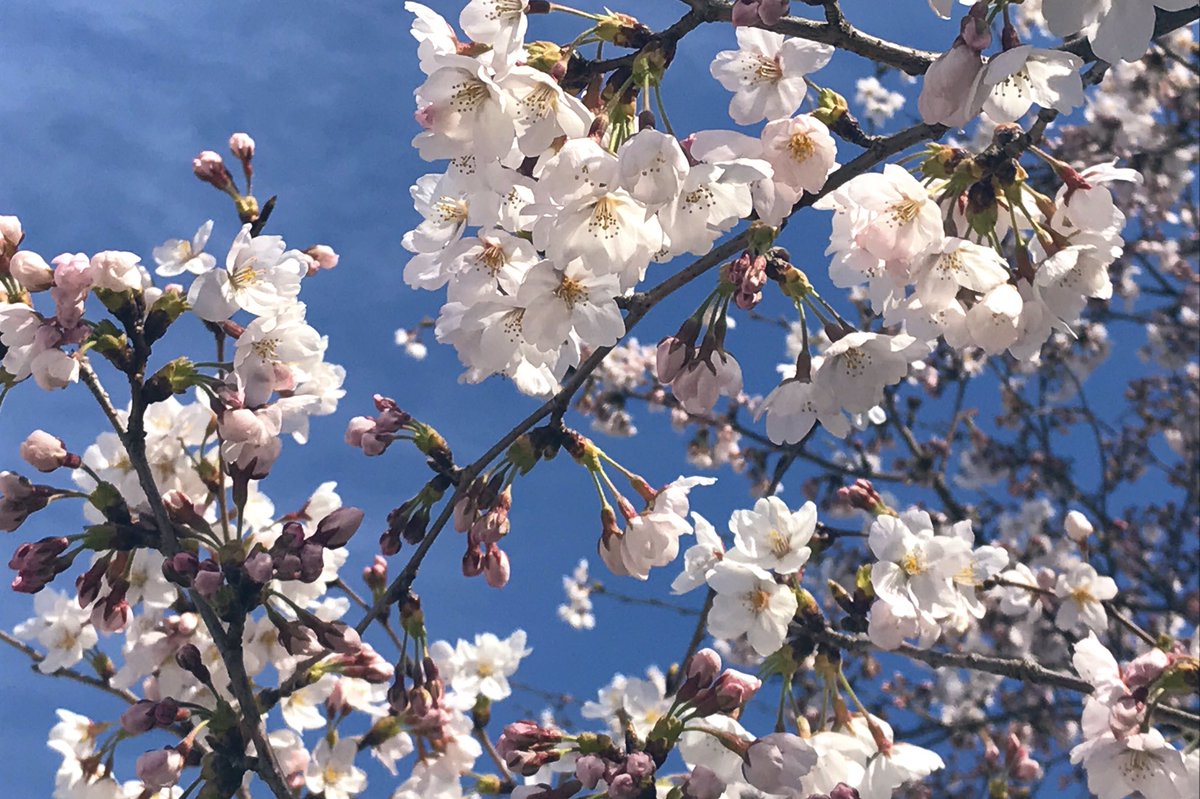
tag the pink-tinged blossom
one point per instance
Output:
(705, 379)
(891, 215)
(651, 538)
(948, 94)
(464, 111)
(801, 151)
(251, 437)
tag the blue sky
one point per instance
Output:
(105, 105)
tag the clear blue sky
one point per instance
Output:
(106, 103)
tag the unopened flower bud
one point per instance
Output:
(46, 453)
(703, 783)
(589, 770)
(11, 234)
(242, 146)
(376, 575)
(210, 168)
(259, 567)
(188, 658)
(704, 666)
(139, 717)
(160, 768)
(208, 579)
(323, 255)
(1077, 526)
(495, 567)
(181, 568)
(31, 271)
(336, 529)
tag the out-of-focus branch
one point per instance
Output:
(68, 674)
(1022, 669)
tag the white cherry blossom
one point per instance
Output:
(749, 602)
(766, 73)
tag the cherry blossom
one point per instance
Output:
(767, 73)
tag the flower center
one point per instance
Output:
(492, 257)
(541, 102)
(854, 361)
(800, 146)
(245, 274)
(571, 291)
(912, 564)
(758, 600)
(450, 210)
(767, 69)
(1083, 595)
(265, 348)
(604, 218)
(778, 543)
(904, 211)
(470, 95)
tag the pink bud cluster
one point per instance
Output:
(37, 564)
(374, 434)
(711, 690)
(482, 514)
(527, 746)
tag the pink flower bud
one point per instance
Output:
(336, 529)
(11, 233)
(639, 765)
(495, 567)
(31, 271)
(776, 762)
(589, 770)
(703, 784)
(1146, 668)
(623, 786)
(208, 580)
(161, 768)
(671, 357)
(45, 452)
(324, 255)
(844, 791)
(376, 575)
(139, 717)
(703, 667)
(259, 567)
(210, 168)
(242, 146)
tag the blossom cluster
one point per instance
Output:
(562, 196)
